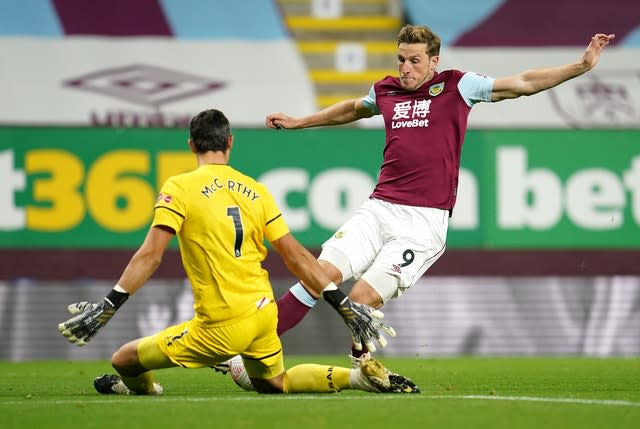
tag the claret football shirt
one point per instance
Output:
(425, 130)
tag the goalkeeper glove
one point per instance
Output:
(90, 317)
(363, 320)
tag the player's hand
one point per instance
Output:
(368, 326)
(279, 121)
(363, 321)
(593, 51)
(90, 317)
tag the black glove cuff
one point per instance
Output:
(334, 297)
(116, 298)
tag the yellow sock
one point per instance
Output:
(142, 384)
(312, 378)
(150, 357)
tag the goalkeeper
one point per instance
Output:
(221, 218)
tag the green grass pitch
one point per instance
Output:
(456, 393)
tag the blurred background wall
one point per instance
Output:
(544, 247)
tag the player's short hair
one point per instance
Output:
(209, 131)
(420, 34)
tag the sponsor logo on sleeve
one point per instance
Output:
(164, 197)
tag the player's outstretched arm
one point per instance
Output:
(363, 321)
(533, 81)
(342, 112)
(88, 318)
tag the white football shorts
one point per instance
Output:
(390, 246)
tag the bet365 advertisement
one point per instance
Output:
(95, 188)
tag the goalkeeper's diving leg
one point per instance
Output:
(267, 375)
(134, 362)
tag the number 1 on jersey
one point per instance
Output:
(234, 212)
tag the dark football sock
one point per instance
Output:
(293, 306)
(358, 353)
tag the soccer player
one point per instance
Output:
(401, 230)
(221, 218)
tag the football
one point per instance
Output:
(238, 374)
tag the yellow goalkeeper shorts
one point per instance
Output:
(193, 345)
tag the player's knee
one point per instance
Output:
(331, 271)
(363, 293)
(375, 288)
(125, 361)
(335, 264)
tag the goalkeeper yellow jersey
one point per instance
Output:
(221, 218)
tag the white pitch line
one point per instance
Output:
(611, 402)
(256, 397)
